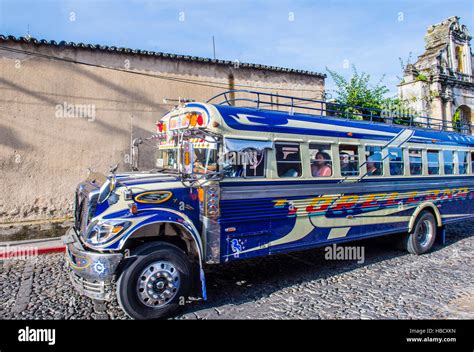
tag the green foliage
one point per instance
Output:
(362, 101)
(359, 95)
(457, 121)
(421, 77)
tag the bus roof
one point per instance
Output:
(301, 116)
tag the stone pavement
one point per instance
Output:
(390, 284)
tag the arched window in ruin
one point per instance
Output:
(462, 119)
(459, 59)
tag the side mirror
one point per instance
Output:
(107, 188)
(187, 159)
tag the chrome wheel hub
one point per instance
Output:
(158, 284)
(424, 233)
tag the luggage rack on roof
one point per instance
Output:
(262, 100)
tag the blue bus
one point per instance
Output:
(251, 174)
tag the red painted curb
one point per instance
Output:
(39, 251)
(48, 250)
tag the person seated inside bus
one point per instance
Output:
(415, 169)
(415, 166)
(472, 163)
(449, 168)
(322, 166)
(433, 170)
(290, 173)
(200, 163)
(249, 163)
(396, 166)
(373, 167)
(348, 167)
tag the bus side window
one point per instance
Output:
(396, 161)
(416, 161)
(248, 163)
(462, 161)
(448, 162)
(349, 159)
(433, 162)
(321, 163)
(374, 161)
(288, 159)
(472, 162)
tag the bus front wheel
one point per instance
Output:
(157, 284)
(422, 237)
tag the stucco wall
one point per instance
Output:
(44, 153)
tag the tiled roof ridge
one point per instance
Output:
(114, 49)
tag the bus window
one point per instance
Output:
(472, 162)
(396, 161)
(321, 163)
(433, 162)
(205, 160)
(448, 157)
(248, 163)
(167, 159)
(416, 163)
(349, 158)
(374, 161)
(288, 159)
(462, 162)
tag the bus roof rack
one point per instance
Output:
(292, 104)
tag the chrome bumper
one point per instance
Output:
(91, 273)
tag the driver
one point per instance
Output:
(200, 164)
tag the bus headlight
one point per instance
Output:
(101, 232)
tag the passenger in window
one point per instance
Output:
(415, 169)
(348, 168)
(373, 167)
(396, 166)
(472, 163)
(290, 173)
(200, 164)
(322, 166)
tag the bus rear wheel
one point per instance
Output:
(422, 237)
(157, 284)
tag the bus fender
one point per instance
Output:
(181, 220)
(419, 209)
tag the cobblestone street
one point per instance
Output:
(389, 285)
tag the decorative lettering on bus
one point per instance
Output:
(350, 203)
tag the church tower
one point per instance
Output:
(440, 84)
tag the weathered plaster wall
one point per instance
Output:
(43, 156)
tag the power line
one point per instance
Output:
(203, 83)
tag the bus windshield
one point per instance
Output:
(205, 155)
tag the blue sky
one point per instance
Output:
(311, 35)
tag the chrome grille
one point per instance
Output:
(94, 289)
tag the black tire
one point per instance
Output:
(422, 237)
(128, 295)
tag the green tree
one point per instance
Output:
(357, 99)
